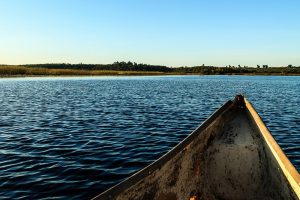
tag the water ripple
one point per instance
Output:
(63, 138)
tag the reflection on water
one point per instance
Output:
(75, 137)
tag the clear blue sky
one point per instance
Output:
(166, 32)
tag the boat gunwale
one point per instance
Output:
(288, 169)
(146, 171)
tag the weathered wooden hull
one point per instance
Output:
(232, 155)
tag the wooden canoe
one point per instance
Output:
(232, 155)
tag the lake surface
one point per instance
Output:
(74, 137)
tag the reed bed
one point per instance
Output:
(7, 71)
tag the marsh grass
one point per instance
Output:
(13, 70)
(18, 70)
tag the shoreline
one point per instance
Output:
(74, 70)
(142, 74)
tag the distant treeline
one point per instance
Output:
(117, 66)
(132, 68)
(210, 70)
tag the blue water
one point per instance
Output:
(74, 137)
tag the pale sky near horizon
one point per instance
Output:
(166, 32)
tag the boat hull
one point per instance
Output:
(230, 156)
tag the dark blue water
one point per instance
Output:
(73, 138)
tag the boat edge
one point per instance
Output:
(285, 164)
(139, 175)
